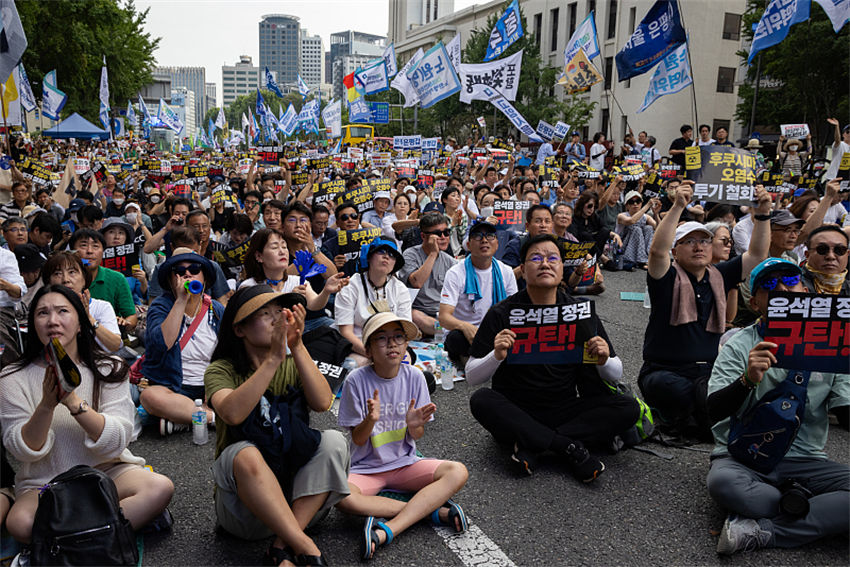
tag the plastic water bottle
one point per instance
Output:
(350, 365)
(199, 424)
(647, 304)
(439, 334)
(447, 374)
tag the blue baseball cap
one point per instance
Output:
(769, 266)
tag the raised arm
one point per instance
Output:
(662, 242)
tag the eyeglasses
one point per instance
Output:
(539, 259)
(444, 232)
(725, 241)
(352, 216)
(693, 242)
(193, 269)
(788, 281)
(794, 229)
(17, 229)
(298, 220)
(479, 236)
(251, 203)
(383, 340)
(823, 249)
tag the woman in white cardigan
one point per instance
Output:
(50, 430)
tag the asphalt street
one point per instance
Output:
(644, 510)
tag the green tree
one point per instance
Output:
(813, 67)
(73, 36)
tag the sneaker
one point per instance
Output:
(166, 427)
(161, 523)
(22, 559)
(584, 466)
(525, 462)
(741, 534)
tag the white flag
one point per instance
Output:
(373, 78)
(14, 40)
(220, 122)
(104, 96)
(389, 58)
(838, 12)
(501, 75)
(453, 49)
(402, 85)
(433, 77)
(169, 117)
(25, 90)
(332, 117)
(52, 99)
(288, 121)
(671, 76)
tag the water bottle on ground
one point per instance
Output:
(447, 379)
(647, 304)
(199, 424)
(349, 364)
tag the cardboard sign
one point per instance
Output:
(379, 184)
(334, 374)
(121, 258)
(351, 240)
(812, 331)
(183, 190)
(511, 214)
(552, 334)
(575, 252)
(37, 172)
(320, 164)
(244, 165)
(549, 177)
(721, 174)
(424, 179)
(231, 260)
(324, 192)
(799, 131)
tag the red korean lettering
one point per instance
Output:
(549, 338)
(776, 333)
(525, 341)
(839, 336)
(567, 335)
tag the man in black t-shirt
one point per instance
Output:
(538, 407)
(688, 314)
(677, 148)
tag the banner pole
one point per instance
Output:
(690, 64)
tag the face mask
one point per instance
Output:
(793, 148)
(155, 199)
(266, 200)
(132, 217)
(118, 202)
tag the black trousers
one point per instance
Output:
(457, 347)
(593, 420)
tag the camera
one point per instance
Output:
(794, 500)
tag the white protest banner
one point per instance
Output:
(482, 122)
(289, 121)
(372, 78)
(512, 114)
(430, 143)
(402, 84)
(790, 131)
(433, 77)
(355, 154)
(407, 142)
(332, 117)
(561, 130)
(673, 75)
(453, 49)
(81, 165)
(169, 117)
(501, 75)
(389, 59)
(546, 130)
(381, 159)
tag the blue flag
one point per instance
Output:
(131, 115)
(271, 84)
(774, 24)
(671, 76)
(583, 38)
(659, 33)
(303, 88)
(508, 29)
(52, 99)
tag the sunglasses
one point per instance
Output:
(634, 202)
(770, 283)
(823, 249)
(193, 269)
(444, 232)
(352, 216)
(479, 236)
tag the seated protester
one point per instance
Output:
(347, 218)
(12, 289)
(636, 228)
(457, 218)
(21, 197)
(174, 364)
(562, 218)
(399, 219)
(252, 209)
(297, 231)
(374, 288)
(49, 431)
(66, 268)
(187, 237)
(200, 221)
(260, 349)
(106, 284)
(375, 217)
(537, 408)
(743, 375)
(239, 229)
(91, 216)
(425, 268)
(826, 262)
(115, 206)
(267, 262)
(30, 262)
(178, 210)
(273, 212)
(43, 230)
(538, 220)
(688, 313)
(383, 446)
(44, 198)
(15, 232)
(319, 225)
(471, 288)
(118, 233)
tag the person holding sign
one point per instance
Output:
(688, 313)
(805, 496)
(826, 261)
(471, 288)
(533, 408)
(840, 146)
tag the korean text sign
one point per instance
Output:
(551, 334)
(721, 174)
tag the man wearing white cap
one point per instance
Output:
(375, 217)
(688, 299)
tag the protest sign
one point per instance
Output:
(407, 142)
(546, 130)
(671, 76)
(301, 177)
(668, 170)
(721, 174)
(183, 189)
(659, 33)
(548, 176)
(81, 165)
(561, 130)
(121, 258)
(794, 130)
(812, 331)
(379, 184)
(380, 159)
(631, 172)
(270, 155)
(424, 179)
(361, 197)
(323, 192)
(482, 122)
(333, 374)
(355, 154)
(320, 163)
(501, 75)
(575, 252)
(510, 214)
(552, 334)
(350, 241)
(37, 172)
(231, 260)
(433, 77)
(244, 165)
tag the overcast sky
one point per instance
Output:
(212, 33)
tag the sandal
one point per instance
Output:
(370, 536)
(455, 513)
(276, 555)
(311, 560)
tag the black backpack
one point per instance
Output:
(79, 522)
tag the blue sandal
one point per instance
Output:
(370, 536)
(455, 513)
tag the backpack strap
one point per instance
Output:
(205, 307)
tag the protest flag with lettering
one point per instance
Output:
(512, 114)
(25, 90)
(13, 40)
(774, 24)
(390, 60)
(453, 49)
(288, 121)
(303, 88)
(131, 115)
(838, 12)
(271, 84)
(579, 74)
(332, 117)
(507, 30)
(104, 97)
(659, 33)
(372, 78)
(402, 84)
(673, 75)
(168, 117)
(583, 38)
(433, 77)
(52, 99)
(501, 75)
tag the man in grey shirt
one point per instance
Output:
(425, 268)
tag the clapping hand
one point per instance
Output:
(417, 417)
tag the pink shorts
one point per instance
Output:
(410, 478)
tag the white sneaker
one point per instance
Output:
(168, 427)
(741, 534)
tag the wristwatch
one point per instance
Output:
(84, 407)
(96, 324)
(761, 217)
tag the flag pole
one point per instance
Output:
(5, 126)
(690, 64)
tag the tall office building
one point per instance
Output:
(209, 91)
(280, 46)
(312, 59)
(183, 103)
(239, 79)
(357, 48)
(406, 15)
(194, 79)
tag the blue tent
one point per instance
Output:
(75, 126)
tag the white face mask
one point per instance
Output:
(155, 199)
(793, 148)
(132, 217)
(118, 202)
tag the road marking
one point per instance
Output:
(474, 548)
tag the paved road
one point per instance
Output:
(643, 510)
